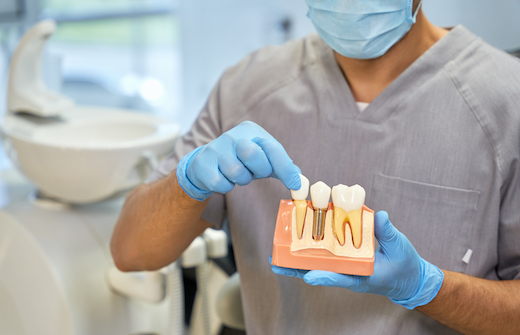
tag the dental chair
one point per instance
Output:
(217, 307)
(229, 304)
(66, 246)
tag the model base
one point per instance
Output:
(318, 258)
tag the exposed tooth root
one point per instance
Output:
(354, 219)
(340, 216)
(301, 211)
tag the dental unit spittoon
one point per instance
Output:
(319, 235)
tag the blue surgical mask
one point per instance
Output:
(362, 29)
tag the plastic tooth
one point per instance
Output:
(303, 192)
(300, 202)
(320, 195)
(348, 208)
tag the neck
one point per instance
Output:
(367, 78)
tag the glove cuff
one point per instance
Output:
(182, 178)
(432, 278)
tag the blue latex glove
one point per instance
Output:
(399, 272)
(238, 156)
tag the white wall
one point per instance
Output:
(497, 21)
(217, 34)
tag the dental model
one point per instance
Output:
(300, 203)
(312, 235)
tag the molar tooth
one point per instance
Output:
(348, 198)
(300, 202)
(320, 195)
(348, 204)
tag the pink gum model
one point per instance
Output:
(313, 259)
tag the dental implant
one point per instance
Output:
(320, 195)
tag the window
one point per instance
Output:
(118, 53)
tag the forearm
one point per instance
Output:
(476, 306)
(157, 223)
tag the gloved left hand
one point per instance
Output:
(399, 272)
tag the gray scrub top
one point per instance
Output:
(438, 149)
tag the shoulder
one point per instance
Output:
(489, 73)
(489, 81)
(265, 71)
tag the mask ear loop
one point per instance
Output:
(413, 18)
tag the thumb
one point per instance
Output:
(327, 278)
(387, 235)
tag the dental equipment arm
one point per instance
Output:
(159, 220)
(467, 304)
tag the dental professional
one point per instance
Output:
(426, 119)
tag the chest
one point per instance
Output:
(426, 166)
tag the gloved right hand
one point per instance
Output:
(400, 273)
(238, 156)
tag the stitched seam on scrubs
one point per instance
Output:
(276, 88)
(442, 187)
(305, 45)
(484, 129)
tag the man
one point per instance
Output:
(426, 119)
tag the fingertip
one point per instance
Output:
(310, 281)
(275, 269)
(293, 179)
(284, 271)
(381, 217)
(318, 277)
(383, 228)
(310, 278)
(295, 182)
(298, 169)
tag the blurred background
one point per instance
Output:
(157, 56)
(164, 56)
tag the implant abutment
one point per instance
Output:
(318, 225)
(320, 195)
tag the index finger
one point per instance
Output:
(283, 167)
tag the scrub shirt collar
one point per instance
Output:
(344, 107)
